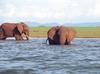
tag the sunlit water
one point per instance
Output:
(36, 57)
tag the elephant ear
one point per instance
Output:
(20, 28)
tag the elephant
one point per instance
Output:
(61, 35)
(14, 30)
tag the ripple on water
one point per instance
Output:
(36, 57)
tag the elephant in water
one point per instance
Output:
(14, 30)
(60, 35)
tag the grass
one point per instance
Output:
(82, 32)
(88, 32)
(38, 31)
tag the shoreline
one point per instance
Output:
(75, 37)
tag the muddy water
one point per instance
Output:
(36, 57)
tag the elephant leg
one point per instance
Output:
(21, 38)
(4, 38)
(64, 40)
(67, 43)
(18, 37)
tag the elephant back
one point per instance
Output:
(8, 29)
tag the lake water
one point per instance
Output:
(36, 57)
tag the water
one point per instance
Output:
(36, 57)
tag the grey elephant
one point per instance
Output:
(14, 30)
(61, 35)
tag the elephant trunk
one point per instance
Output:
(26, 35)
(47, 41)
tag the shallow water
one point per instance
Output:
(36, 57)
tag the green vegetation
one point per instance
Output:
(87, 32)
(38, 31)
(84, 32)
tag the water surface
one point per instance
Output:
(36, 57)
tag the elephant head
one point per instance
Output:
(23, 28)
(53, 37)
